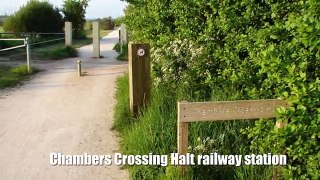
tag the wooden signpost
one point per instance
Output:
(222, 110)
(139, 75)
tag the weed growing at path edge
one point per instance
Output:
(11, 76)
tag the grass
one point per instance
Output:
(60, 53)
(12, 76)
(122, 50)
(1, 29)
(154, 130)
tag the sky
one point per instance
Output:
(96, 8)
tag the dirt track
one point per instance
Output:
(59, 112)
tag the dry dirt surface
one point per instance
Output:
(57, 111)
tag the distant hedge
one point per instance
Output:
(35, 16)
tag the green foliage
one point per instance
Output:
(122, 113)
(122, 49)
(35, 16)
(11, 76)
(107, 23)
(255, 49)
(74, 11)
(118, 21)
(6, 44)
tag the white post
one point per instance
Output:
(96, 39)
(27, 43)
(68, 33)
(79, 68)
(124, 34)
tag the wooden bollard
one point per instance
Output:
(139, 76)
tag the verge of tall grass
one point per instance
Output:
(12, 76)
(155, 131)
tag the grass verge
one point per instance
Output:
(12, 76)
(154, 131)
(60, 53)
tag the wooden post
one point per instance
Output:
(139, 76)
(96, 39)
(277, 170)
(280, 124)
(68, 33)
(183, 133)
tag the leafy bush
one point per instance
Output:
(35, 16)
(258, 50)
(122, 49)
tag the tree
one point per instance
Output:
(107, 23)
(74, 11)
(35, 16)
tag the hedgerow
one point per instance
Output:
(35, 16)
(259, 49)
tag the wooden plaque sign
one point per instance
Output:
(222, 110)
(228, 110)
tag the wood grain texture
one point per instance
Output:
(139, 76)
(229, 110)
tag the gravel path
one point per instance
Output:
(57, 111)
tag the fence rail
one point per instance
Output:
(27, 44)
(43, 42)
(12, 39)
(31, 33)
(27, 36)
(10, 48)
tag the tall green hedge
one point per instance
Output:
(35, 16)
(261, 49)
